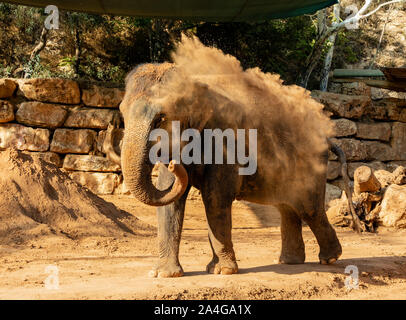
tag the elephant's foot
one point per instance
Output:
(166, 270)
(331, 255)
(222, 266)
(291, 259)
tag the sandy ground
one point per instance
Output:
(117, 268)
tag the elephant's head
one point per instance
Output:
(141, 116)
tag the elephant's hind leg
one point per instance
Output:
(330, 248)
(293, 248)
(170, 222)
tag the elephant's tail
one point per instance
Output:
(356, 224)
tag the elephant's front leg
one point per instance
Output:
(170, 222)
(218, 212)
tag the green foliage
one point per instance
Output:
(35, 69)
(109, 46)
(5, 72)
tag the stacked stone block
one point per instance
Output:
(370, 127)
(64, 122)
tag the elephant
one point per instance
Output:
(292, 179)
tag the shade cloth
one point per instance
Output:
(193, 10)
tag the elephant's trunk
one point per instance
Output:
(137, 168)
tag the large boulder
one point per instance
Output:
(332, 193)
(399, 140)
(91, 118)
(393, 208)
(392, 109)
(97, 182)
(333, 170)
(355, 150)
(376, 165)
(379, 151)
(374, 131)
(96, 96)
(342, 105)
(7, 88)
(384, 177)
(344, 127)
(6, 111)
(78, 162)
(50, 90)
(399, 175)
(41, 114)
(23, 138)
(73, 141)
(117, 140)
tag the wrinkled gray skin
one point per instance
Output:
(220, 185)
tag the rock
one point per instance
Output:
(399, 175)
(387, 109)
(117, 143)
(194, 194)
(384, 177)
(398, 141)
(338, 213)
(355, 89)
(332, 156)
(333, 170)
(393, 207)
(7, 88)
(379, 93)
(354, 150)
(73, 141)
(375, 165)
(23, 138)
(50, 90)
(50, 157)
(332, 193)
(41, 114)
(97, 182)
(379, 151)
(365, 180)
(340, 184)
(90, 118)
(97, 96)
(122, 188)
(89, 163)
(374, 131)
(344, 127)
(6, 111)
(392, 165)
(342, 105)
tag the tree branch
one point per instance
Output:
(313, 58)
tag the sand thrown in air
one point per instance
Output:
(292, 128)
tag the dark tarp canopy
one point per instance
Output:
(198, 10)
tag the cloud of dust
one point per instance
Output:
(291, 126)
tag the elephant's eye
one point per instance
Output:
(159, 120)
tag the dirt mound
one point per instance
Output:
(37, 198)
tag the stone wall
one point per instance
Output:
(370, 127)
(64, 122)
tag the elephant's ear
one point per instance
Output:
(202, 107)
(200, 120)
